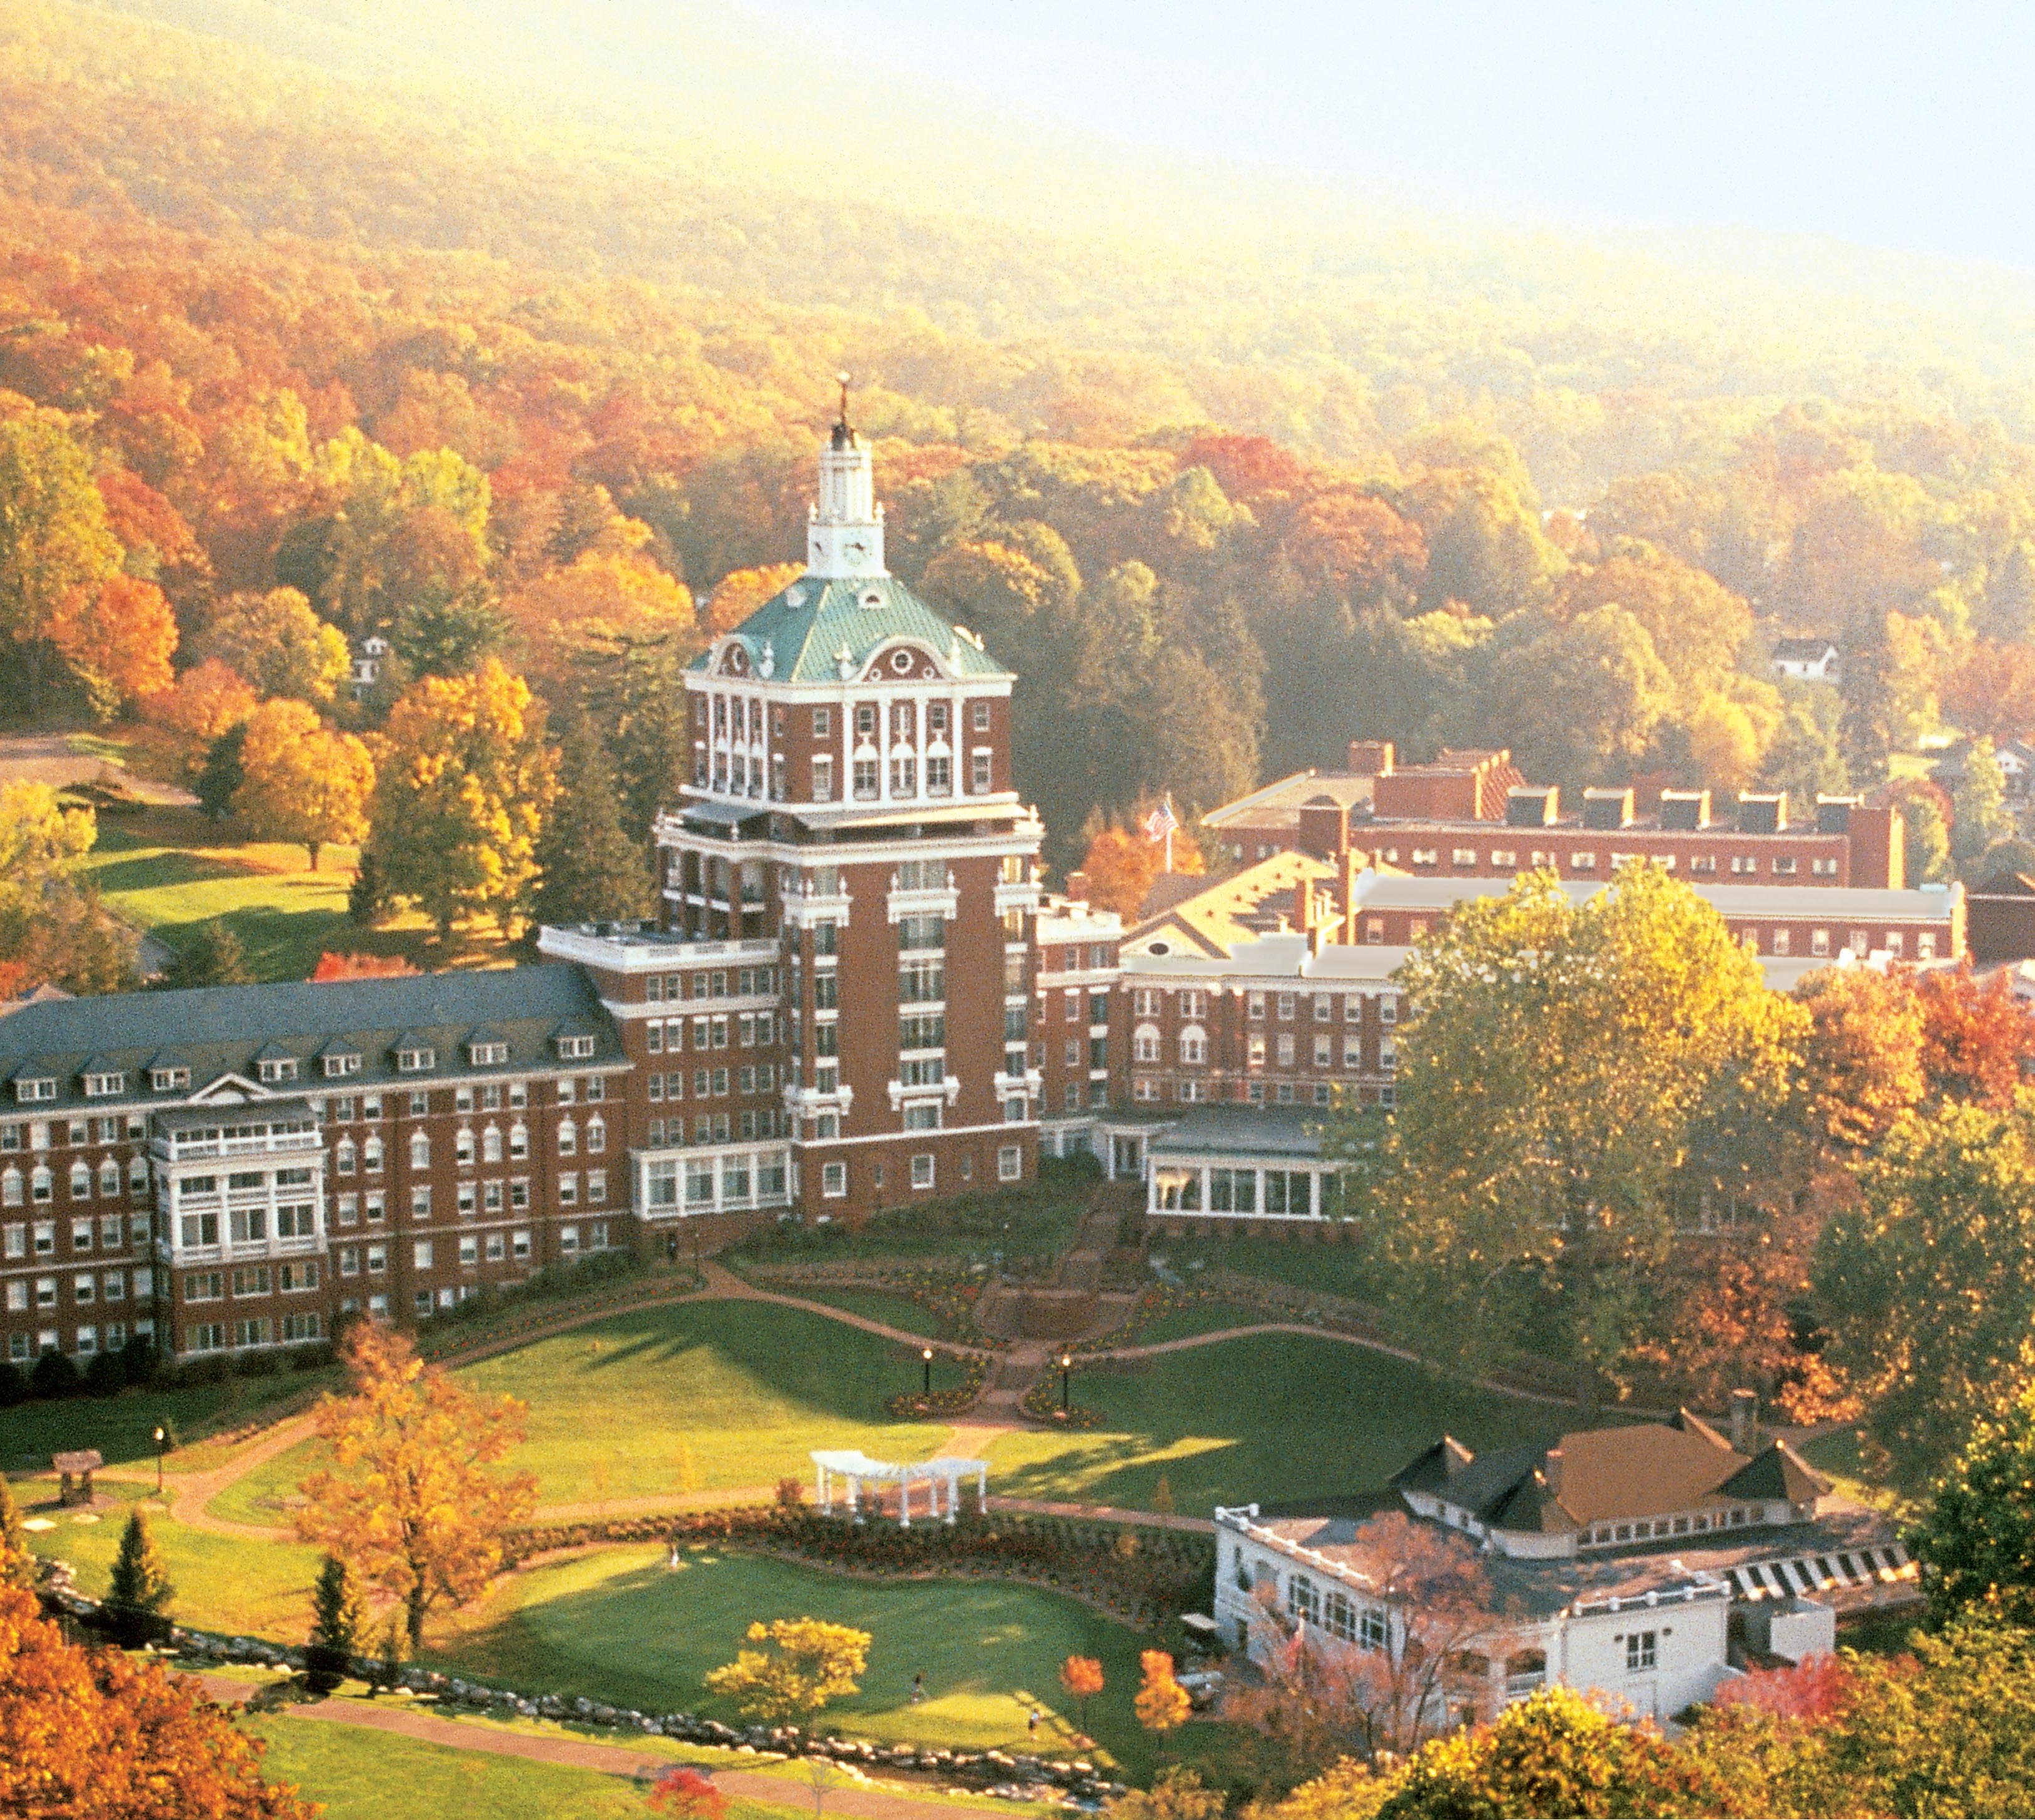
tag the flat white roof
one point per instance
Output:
(1394, 891)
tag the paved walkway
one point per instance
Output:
(844, 1796)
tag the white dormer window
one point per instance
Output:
(337, 1066)
(41, 1087)
(169, 1080)
(415, 1061)
(103, 1086)
(279, 1070)
(575, 1048)
(488, 1054)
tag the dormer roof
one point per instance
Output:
(823, 630)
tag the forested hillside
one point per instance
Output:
(509, 330)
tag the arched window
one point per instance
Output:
(109, 1178)
(490, 1144)
(370, 1156)
(80, 1181)
(344, 1156)
(1194, 1044)
(420, 1150)
(10, 1187)
(568, 1137)
(596, 1134)
(1145, 1042)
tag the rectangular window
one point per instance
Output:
(1640, 1653)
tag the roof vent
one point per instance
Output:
(1762, 814)
(1532, 806)
(1606, 808)
(1685, 811)
(1833, 813)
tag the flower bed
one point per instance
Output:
(1042, 1403)
(916, 1405)
(1154, 1303)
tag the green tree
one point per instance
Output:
(592, 870)
(1926, 835)
(808, 1664)
(1927, 1283)
(1567, 1071)
(442, 634)
(1176, 1794)
(1582, 702)
(463, 782)
(277, 643)
(1979, 799)
(223, 775)
(337, 1612)
(54, 540)
(139, 1583)
(212, 955)
(1975, 1539)
(301, 781)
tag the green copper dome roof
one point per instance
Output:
(828, 631)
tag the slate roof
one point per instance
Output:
(220, 1030)
(810, 623)
(1595, 1475)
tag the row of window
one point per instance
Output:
(712, 1082)
(41, 1133)
(1507, 859)
(717, 1128)
(86, 1288)
(294, 1279)
(1146, 1090)
(23, 1348)
(1194, 1049)
(750, 1030)
(1150, 1002)
(748, 983)
(924, 1171)
(257, 1330)
(488, 1096)
(469, 1148)
(1782, 942)
(39, 1186)
(111, 1231)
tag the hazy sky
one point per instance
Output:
(1904, 126)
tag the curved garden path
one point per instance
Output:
(844, 1796)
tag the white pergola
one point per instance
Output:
(859, 1470)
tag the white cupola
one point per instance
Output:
(844, 529)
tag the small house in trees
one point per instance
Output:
(368, 654)
(1805, 659)
(1652, 1562)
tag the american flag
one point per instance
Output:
(1161, 821)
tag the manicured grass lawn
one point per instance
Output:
(893, 1311)
(121, 1427)
(1265, 1417)
(168, 870)
(1196, 1318)
(1843, 1456)
(222, 1583)
(665, 1401)
(1335, 1269)
(617, 1624)
(366, 1775)
(1036, 1221)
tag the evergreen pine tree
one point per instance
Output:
(138, 1585)
(222, 774)
(593, 871)
(212, 956)
(336, 1607)
(17, 1566)
(367, 895)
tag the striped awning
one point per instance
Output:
(1839, 1571)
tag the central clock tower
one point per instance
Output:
(844, 529)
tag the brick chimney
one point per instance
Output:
(1744, 1420)
(1551, 1470)
(1370, 757)
(1077, 887)
(1303, 905)
(1324, 830)
(1352, 865)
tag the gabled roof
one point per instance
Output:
(818, 630)
(1778, 1471)
(1802, 650)
(1215, 919)
(1431, 1471)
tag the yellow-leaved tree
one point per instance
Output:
(415, 1502)
(300, 780)
(808, 1664)
(463, 782)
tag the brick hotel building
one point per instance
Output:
(855, 997)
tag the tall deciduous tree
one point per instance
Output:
(277, 643)
(415, 1502)
(593, 868)
(1927, 1283)
(1162, 1705)
(55, 541)
(1569, 1075)
(1976, 1540)
(98, 1733)
(807, 1664)
(1978, 1039)
(203, 703)
(301, 781)
(1121, 864)
(118, 639)
(463, 782)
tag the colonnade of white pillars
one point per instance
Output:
(933, 1474)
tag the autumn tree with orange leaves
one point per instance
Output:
(1121, 864)
(96, 1735)
(415, 1502)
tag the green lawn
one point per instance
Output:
(222, 1583)
(617, 1624)
(1196, 1318)
(892, 1310)
(1265, 1417)
(1037, 1221)
(665, 1401)
(1335, 1269)
(360, 1774)
(1843, 1456)
(121, 1426)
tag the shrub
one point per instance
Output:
(55, 1375)
(262, 1363)
(138, 1360)
(13, 1386)
(107, 1375)
(211, 1369)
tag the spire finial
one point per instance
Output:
(844, 377)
